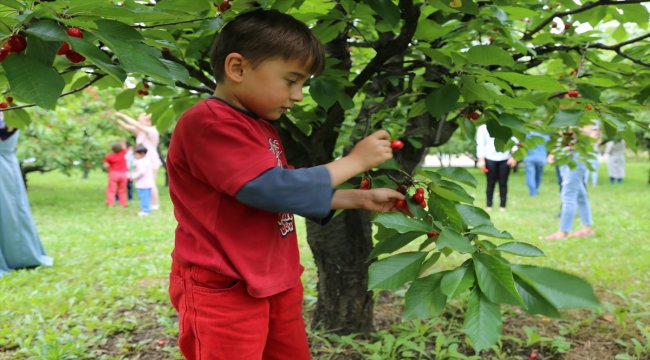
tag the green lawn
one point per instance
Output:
(105, 298)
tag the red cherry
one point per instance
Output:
(161, 342)
(554, 25)
(140, 92)
(589, 107)
(533, 356)
(145, 92)
(74, 56)
(573, 93)
(567, 26)
(520, 145)
(396, 144)
(473, 116)
(365, 184)
(484, 169)
(63, 49)
(4, 52)
(145, 84)
(400, 203)
(225, 5)
(568, 133)
(419, 191)
(17, 43)
(423, 203)
(3, 105)
(75, 32)
(432, 234)
(402, 189)
(418, 197)
(9, 99)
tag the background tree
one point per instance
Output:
(422, 69)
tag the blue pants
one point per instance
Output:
(574, 197)
(534, 171)
(145, 200)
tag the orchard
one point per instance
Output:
(426, 71)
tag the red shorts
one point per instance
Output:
(218, 319)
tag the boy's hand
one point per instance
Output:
(372, 150)
(383, 200)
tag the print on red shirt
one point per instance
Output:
(285, 221)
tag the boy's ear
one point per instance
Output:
(234, 67)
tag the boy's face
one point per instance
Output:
(138, 155)
(272, 87)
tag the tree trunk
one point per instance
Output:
(340, 251)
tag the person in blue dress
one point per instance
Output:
(534, 162)
(20, 245)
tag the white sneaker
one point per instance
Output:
(142, 213)
(155, 207)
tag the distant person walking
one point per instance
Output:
(615, 151)
(497, 164)
(20, 245)
(534, 162)
(147, 136)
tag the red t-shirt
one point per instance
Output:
(116, 161)
(214, 151)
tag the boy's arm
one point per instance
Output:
(379, 200)
(367, 154)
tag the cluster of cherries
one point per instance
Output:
(5, 104)
(472, 115)
(144, 91)
(65, 49)
(15, 44)
(568, 138)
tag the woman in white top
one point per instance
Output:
(147, 136)
(496, 165)
(615, 150)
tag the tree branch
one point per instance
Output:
(194, 72)
(295, 132)
(585, 7)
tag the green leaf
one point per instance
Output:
(473, 91)
(124, 100)
(489, 55)
(177, 71)
(12, 4)
(449, 238)
(424, 298)
(532, 82)
(559, 288)
(455, 282)
(458, 174)
(33, 81)
(97, 57)
(401, 223)
(535, 302)
(564, 118)
(452, 191)
(495, 279)
(473, 216)
(445, 211)
(392, 243)
(521, 249)
(18, 118)
(47, 30)
(483, 323)
(429, 30)
(394, 271)
(386, 9)
(441, 101)
(324, 91)
(489, 230)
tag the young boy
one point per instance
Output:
(235, 278)
(117, 170)
(143, 176)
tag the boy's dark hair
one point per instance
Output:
(264, 34)
(116, 147)
(140, 149)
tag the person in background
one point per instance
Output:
(497, 164)
(20, 245)
(534, 162)
(593, 131)
(147, 136)
(117, 170)
(615, 151)
(130, 164)
(143, 177)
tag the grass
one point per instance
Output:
(106, 296)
